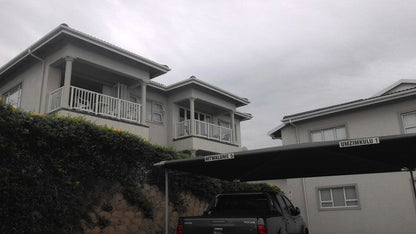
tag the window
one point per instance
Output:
(329, 134)
(409, 122)
(197, 115)
(224, 124)
(13, 96)
(338, 197)
(154, 112)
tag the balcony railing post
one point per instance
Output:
(71, 93)
(119, 108)
(96, 103)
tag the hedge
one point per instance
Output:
(51, 165)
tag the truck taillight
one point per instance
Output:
(179, 229)
(261, 229)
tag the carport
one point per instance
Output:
(357, 156)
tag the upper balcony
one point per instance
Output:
(96, 104)
(205, 130)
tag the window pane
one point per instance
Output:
(410, 130)
(341, 133)
(157, 117)
(409, 120)
(157, 108)
(188, 114)
(326, 204)
(325, 195)
(181, 114)
(350, 193)
(149, 111)
(329, 135)
(316, 136)
(13, 96)
(352, 203)
(338, 196)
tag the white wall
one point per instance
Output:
(31, 85)
(387, 200)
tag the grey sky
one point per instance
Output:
(285, 56)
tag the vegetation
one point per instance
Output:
(51, 166)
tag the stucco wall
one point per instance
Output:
(141, 131)
(386, 204)
(373, 121)
(31, 85)
(387, 200)
(196, 143)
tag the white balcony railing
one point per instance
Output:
(204, 129)
(96, 103)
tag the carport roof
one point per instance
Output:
(384, 154)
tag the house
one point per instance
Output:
(74, 74)
(369, 203)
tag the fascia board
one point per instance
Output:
(395, 84)
(208, 86)
(82, 36)
(351, 106)
(278, 128)
(116, 49)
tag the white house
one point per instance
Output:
(72, 73)
(369, 203)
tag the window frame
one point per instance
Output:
(346, 206)
(334, 129)
(153, 113)
(402, 115)
(17, 88)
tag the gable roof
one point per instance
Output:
(397, 86)
(155, 69)
(390, 93)
(239, 101)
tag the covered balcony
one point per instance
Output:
(95, 103)
(205, 130)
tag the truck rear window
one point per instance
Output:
(242, 204)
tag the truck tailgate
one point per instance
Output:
(219, 225)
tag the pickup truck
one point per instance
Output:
(239, 213)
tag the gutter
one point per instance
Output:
(29, 52)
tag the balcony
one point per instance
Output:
(205, 130)
(96, 104)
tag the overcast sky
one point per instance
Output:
(284, 56)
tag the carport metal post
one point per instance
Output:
(413, 181)
(161, 164)
(166, 201)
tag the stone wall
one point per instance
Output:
(120, 217)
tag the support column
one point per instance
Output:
(143, 100)
(166, 201)
(232, 127)
(67, 82)
(192, 110)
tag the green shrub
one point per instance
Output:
(52, 168)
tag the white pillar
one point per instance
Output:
(192, 109)
(232, 127)
(67, 81)
(143, 100)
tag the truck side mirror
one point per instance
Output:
(295, 211)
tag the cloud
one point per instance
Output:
(285, 56)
